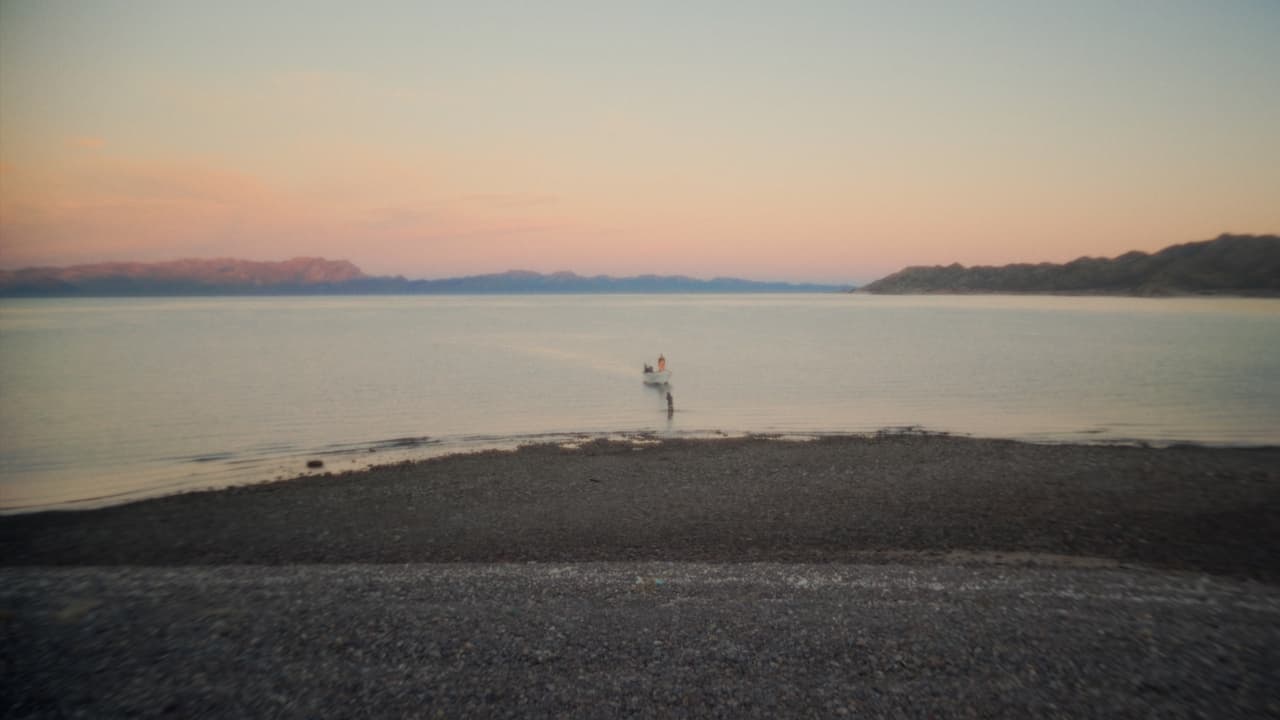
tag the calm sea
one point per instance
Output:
(104, 400)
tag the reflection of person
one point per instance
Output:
(662, 363)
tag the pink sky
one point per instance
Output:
(832, 145)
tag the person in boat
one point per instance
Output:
(648, 368)
(662, 363)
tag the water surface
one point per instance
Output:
(109, 399)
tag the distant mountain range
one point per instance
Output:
(1227, 265)
(312, 276)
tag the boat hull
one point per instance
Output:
(657, 378)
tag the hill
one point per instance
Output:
(178, 277)
(1227, 265)
(522, 281)
(312, 276)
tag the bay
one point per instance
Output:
(105, 400)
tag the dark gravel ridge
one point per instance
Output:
(836, 499)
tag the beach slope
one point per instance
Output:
(841, 499)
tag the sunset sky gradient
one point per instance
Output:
(827, 141)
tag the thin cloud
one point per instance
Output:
(397, 218)
(493, 232)
(86, 142)
(509, 200)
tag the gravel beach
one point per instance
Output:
(840, 499)
(890, 576)
(605, 640)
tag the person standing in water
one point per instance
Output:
(662, 363)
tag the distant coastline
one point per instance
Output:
(1230, 265)
(1247, 265)
(318, 276)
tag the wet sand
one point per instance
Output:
(892, 499)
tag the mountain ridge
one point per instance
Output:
(311, 275)
(1226, 265)
(208, 271)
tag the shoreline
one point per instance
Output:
(877, 498)
(400, 450)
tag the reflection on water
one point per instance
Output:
(121, 396)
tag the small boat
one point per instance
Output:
(660, 377)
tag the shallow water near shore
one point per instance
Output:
(104, 400)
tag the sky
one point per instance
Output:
(803, 141)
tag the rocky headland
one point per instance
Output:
(1227, 265)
